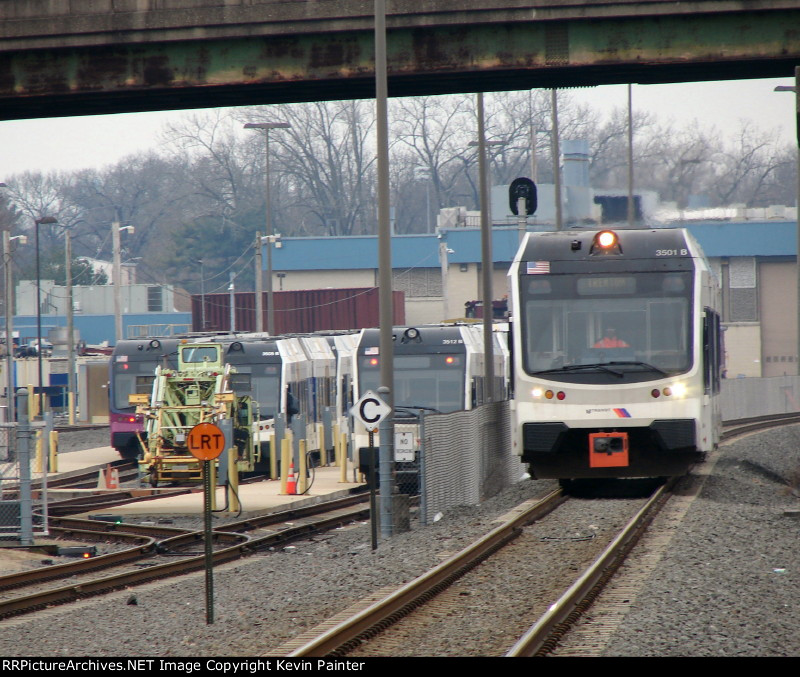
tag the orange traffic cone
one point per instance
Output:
(112, 478)
(291, 481)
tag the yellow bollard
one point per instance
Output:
(273, 457)
(285, 462)
(336, 449)
(33, 404)
(54, 451)
(323, 452)
(301, 483)
(233, 482)
(343, 456)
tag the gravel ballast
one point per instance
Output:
(726, 586)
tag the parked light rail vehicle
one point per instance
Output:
(277, 374)
(616, 352)
(344, 346)
(132, 371)
(273, 371)
(437, 369)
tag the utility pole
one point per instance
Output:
(486, 258)
(556, 152)
(630, 158)
(71, 387)
(115, 233)
(260, 287)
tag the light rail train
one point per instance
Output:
(616, 353)
(437, 369)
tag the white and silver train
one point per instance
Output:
(616, 353)
(437, 369)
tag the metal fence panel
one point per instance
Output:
(467, 458)
(23, 484)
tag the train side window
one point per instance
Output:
(712, 352)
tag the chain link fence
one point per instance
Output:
(466, 458)
(23, 483)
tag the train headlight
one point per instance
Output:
(606, 239)
(606, 242)
(679, 390)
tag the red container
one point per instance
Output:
(297, 312)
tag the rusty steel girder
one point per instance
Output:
(117, 75)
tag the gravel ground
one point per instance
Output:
(726, 586)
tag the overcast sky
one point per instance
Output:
(100, 140)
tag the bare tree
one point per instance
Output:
(321, 167)
(746, 170)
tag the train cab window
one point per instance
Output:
(434, 381)
(130, 382)
(199, 355)
(564, 330)
(265, 388)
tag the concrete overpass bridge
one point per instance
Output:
(78, 57)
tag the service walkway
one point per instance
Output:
(258, 497)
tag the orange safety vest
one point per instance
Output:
(607, 342)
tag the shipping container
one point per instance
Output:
(296, 312)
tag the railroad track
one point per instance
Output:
(149, 549)
(354, 632)
(227, 548)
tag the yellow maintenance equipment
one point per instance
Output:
(199, 391)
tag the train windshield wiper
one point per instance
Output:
(636, 363)
(595, 366)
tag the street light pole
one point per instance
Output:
(630, 157)
(796, 90)
(486, 258)
(260, 285)
(9, 284)
(115, 231)
(37, 223)
(266, 126)
(71, 386)
(556, 153)
(202, 297)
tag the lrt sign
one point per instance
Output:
(370, 410)
(206, 441)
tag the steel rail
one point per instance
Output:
(544, 634)
(559, 616)
(188, 564)
(390, 609)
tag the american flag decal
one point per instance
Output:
(538, 267)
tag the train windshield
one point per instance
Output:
(131, 378)
(430, 381)
(603, 328)
(263, 384)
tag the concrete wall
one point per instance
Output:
(748, 397)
